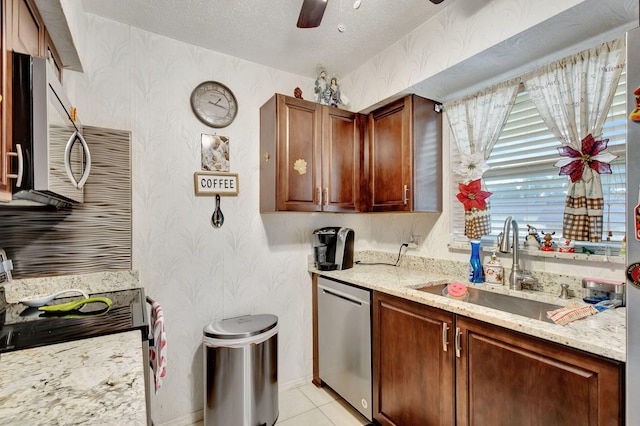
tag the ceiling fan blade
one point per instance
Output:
(311, 13)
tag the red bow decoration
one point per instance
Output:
(472, 195)
(590, 150)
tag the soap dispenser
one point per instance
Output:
(493, 270)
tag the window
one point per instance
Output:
(526, 184)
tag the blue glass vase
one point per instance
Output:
(476, 273)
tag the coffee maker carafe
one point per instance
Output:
(333, 248)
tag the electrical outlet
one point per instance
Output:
(414, 241)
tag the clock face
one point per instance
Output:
(214, 104)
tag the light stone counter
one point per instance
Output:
(98, 380)
(601, 334)
(95, 381)
(98, 282)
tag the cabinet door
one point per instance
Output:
(413, 363)
(341, 147)
(28, 29)
(390, 164)
(505, 378)
(299, 155)
(5, 144)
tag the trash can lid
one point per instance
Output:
(241, 327)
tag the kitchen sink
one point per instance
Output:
(502, 302)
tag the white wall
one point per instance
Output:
(138, 81)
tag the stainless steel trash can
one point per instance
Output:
(241, 371)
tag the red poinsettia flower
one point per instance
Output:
(591, 155)
(472, 195)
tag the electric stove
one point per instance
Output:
(24, 327)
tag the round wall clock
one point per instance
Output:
(214, 104)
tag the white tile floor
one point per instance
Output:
(309, 406)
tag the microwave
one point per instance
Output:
(51, 157)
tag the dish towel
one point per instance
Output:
(571, 312)
(158, 351)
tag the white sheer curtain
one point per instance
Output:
(574, 96)
(476, 122)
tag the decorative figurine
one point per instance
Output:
(322, 85)
(297, 93)
(335, 98)
(547, 245)
(532, 240)
(567, 246)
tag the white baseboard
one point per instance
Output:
(188, 420)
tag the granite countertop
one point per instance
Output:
(64, 371)
(97, 282)
(95, 381)
(601, 334)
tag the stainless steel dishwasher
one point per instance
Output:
(344, 342)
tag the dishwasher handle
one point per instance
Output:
(340, 295)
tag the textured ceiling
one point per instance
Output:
(264, 31)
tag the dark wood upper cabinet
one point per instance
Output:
(317, 158)
(27, 30)
(5, 144)
(404, 157)
(310, 157)
(22, 30)
(341, 159)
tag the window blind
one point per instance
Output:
(526, 184)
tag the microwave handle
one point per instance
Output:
(67, 160)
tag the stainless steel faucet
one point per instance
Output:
(518, 276)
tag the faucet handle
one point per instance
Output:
(564, 293)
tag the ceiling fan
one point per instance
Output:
(311, 13)
(313, 10)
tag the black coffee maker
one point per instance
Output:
(333, 248)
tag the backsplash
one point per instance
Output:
(91, 237)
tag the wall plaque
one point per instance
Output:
(212, 183)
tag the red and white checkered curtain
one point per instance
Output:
(574, 96)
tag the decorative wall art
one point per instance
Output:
(215, 153)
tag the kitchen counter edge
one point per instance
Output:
(603, 334)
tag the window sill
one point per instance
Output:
(460, 246)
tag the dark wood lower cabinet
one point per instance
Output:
(413, 374)
(492, 377)
(506, 378)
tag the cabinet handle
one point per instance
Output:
(326, 196)
(405, 198)
(18, 176)
(458, 347)
(319, 193)
(445, 330)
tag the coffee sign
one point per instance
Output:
(211, 183)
